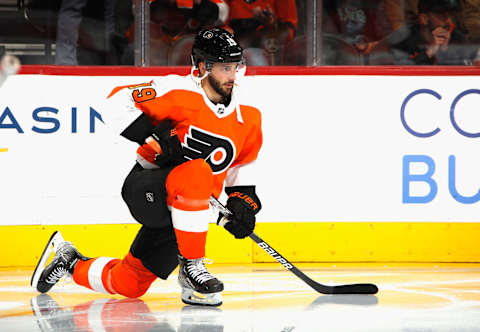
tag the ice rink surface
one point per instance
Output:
(260, 298)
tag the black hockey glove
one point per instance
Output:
(165, 137)
(244, 205)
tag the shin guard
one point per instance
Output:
(189, 187)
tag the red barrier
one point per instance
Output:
(296, 70)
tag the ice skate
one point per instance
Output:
(66, 256)
(199, 287)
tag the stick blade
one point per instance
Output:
(355, 289)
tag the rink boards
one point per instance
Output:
(369, 165)
(298, 242)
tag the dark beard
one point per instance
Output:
(218, 89)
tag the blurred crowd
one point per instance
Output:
(406, 32)
(273, 32)
(263, 27)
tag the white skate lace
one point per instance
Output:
(59, 271)
(56, 274)
(198, 271)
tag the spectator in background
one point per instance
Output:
(263, 27)
(470, 18)
(401, 12)
(467, 18)
(69, 19)
(173, 25)
(188, 16)
(433, 39)
(360, 23)
(97, 36)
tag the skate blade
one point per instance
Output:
(52, 246)
(189, 296)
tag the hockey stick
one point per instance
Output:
(9, 65)
(324, 289)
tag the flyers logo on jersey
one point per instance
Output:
(216, 150)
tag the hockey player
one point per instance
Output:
(194, 138)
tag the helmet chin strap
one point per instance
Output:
(196, 79)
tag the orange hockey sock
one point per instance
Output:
(93, 273)
(189, 187)
(191, 229)
(127, 277)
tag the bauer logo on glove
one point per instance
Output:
(244, 205)
(247, 199)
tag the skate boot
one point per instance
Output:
(66, 256)
(198, 285)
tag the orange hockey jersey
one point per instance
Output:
(226, 137)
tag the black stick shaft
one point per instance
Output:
(324, 289)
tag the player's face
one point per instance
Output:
(222, 77)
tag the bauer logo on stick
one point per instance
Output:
(275, 255)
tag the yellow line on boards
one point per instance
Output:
(3, 149)
(299, 242)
